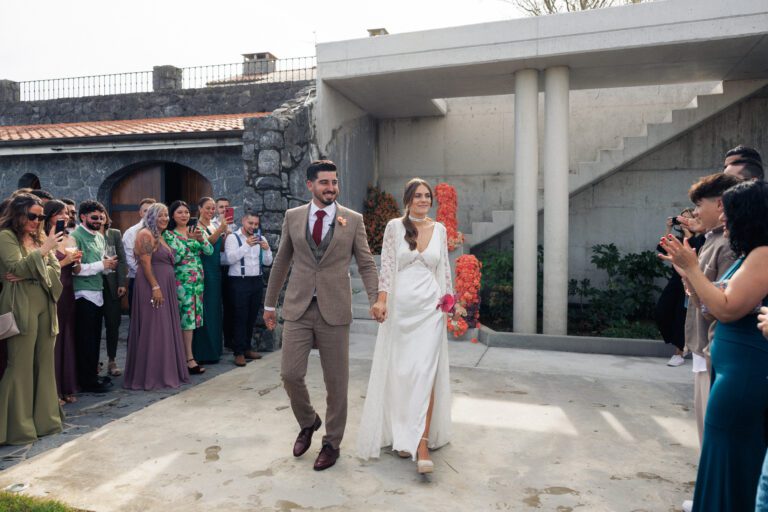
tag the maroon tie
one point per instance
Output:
(317, 229)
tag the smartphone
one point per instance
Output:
(192, 224)
(229, 214)
(675, 221)
(61, 225)
(258, 234)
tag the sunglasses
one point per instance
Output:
(35, 217)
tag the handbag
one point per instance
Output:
(8, 325)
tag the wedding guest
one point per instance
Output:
(715, 257)
(65, 352)
(43, 195)
(206, 342)
(671, 307)
(222, 206)
(129, 240)
(734, 433)
(115, 288)
(72, 211)
(29, 405)
(156, 356)
(247, 252)
(762, 488)
(408, 403)
(740, 152)
(89, 296)
(188, 245)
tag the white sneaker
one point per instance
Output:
(675, 360)
(687, 506)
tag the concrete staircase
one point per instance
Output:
(609, 161)
(362, 322)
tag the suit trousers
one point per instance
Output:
(246, 294)
(333, 343)
(227, 319)
(88, 341)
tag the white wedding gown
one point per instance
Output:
(411, 355)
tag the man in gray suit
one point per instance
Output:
(317, 243)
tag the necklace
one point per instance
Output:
(416, 219)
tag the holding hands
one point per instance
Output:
(379, 311)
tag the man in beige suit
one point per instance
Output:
(317, 243)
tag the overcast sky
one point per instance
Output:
(62, 38)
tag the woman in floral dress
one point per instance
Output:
(188, 244)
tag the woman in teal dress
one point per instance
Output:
(206, 343)
(188, 245)
(735, 422)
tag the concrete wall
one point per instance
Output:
(472, 146)
(630, 207)
(184, 102)
(347, 135)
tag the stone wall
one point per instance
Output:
(91, 175)
(277, 150)
(172, 103)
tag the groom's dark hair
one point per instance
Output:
(318, 166)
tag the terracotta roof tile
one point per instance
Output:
(156, 126)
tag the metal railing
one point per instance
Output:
(196, 77)
(93, 85)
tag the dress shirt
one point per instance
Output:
(330, 217)
(129, 241)
(250, 254)
(89, 269)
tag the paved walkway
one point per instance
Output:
(532, 430)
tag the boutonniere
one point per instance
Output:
(341, 220)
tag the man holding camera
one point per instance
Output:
(246, 252)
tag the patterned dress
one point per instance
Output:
(189, 277)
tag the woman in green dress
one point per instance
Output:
(29, 402)
(188, 245)
(206, 344)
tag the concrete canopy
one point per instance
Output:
(673, 41)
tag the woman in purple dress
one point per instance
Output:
(65, 350)
(156, 357)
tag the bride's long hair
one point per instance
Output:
(411, 232)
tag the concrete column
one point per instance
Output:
(526, 193)
(166, 78)
(556, 88)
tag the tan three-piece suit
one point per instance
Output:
(318, 308)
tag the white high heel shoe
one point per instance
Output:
(424, 466)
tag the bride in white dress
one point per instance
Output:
(408, 403)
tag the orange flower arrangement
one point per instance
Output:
(468, 277)
(380, 207)
(447, 204)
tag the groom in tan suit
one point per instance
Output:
(317, 243)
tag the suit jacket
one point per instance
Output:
(330, 275)
(119, 277)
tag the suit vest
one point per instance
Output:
(319, 250)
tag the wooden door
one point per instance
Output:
(126, 194)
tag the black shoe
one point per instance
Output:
(98, 387)
(304, 439)
(327, 457)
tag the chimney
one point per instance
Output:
(258, 63)
(375, 32)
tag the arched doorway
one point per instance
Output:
(165, 181)
(29, 180)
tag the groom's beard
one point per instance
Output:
(327, 200)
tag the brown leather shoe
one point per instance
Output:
(252, 354)
(304, 439)
(239, 360)
(327, 457)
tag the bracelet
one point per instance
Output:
(155, 287)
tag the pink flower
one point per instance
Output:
(341, 220)
(447, 303)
